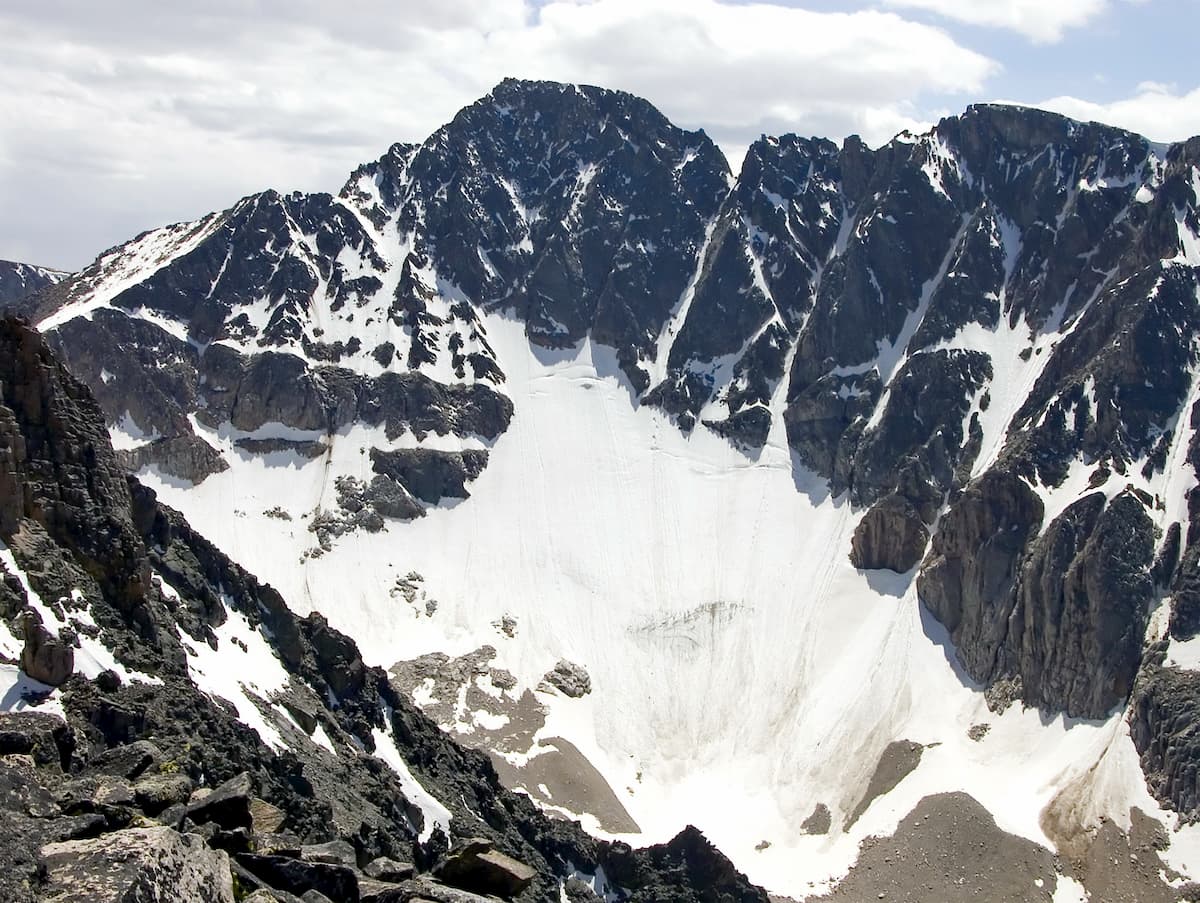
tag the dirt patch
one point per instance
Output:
(899, 759)
(562, 777)
(481, 706)
(946, 850)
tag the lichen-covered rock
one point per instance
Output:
(157, 792)
(150, 865)
(41, 735)
(385, 869)
(128, 760)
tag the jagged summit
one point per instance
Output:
(551, 389)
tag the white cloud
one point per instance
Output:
(1042, 21)
(118, 121)
(1157, 111)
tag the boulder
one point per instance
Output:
(385, 869)
(338, 852)
(228, 805)
(21, 792)
(148, 865)
(129, 760)
(41, 735)
(283, 844)
(477, 867)
(296, 876)
(157, 792)
(569, 679)
(373, 891)
(94, 794)
(424, 889)
(45, 657)
(267, 819)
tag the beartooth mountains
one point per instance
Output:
(98, 767)
(980, 342)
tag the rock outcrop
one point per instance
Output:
(891, 535)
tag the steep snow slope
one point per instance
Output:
(743, 671)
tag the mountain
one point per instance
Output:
(790, 505)
(166, 667)
(20, 280)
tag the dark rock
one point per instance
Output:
(282, 844)
(21, 792)
(172, 816)
(391, 499)
(301, 447)
(477, 866)
(1082, 605)
(297, 876)
(108, 680)
(692, 860)
(1164, 723)
(95, 794)
(430, 474)
(890, 535)
(424, 888)
(228, 806)
(19, 282)
(371, 890)
(267, 819)
(819, 822)
(150, 864)
(129, 760)
(235, 840)
(967, 580)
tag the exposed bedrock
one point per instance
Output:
(1064, 613)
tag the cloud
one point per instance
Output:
(1042, 21)
(123, 118)
(1157, 111)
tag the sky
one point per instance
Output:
(125, 115)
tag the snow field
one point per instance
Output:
(743, 670)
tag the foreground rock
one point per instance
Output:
(149, 865)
